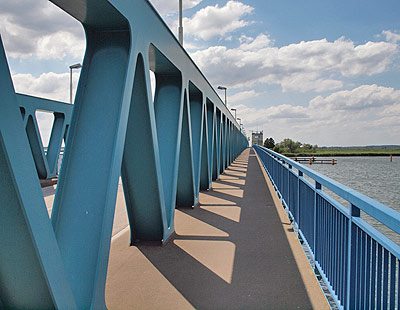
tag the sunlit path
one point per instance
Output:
(232, 252)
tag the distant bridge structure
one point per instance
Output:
(165, 151)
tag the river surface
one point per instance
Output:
(375, 177)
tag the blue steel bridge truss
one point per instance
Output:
(46, 162)
(165, 151)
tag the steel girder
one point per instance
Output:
(165, 151)
(46, 162)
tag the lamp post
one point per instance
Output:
(180, 28)
(223, 88)
(75, 66)
(234, 110)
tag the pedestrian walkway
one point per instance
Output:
(237, 250)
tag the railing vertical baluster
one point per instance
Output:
(299, 177)
(327, 240)
(326, 234)
(373, 276)
(288, 202)
(368, 274)
(351, 257)
(362, 269)
(336, 256)
(339, 254)
(322, 253)
(280, 187)
(392, 282)
(379, 279)
(331, 243)
(357, 268)
(385, 279)
(337, 251)
(398, 284)
(318, 187)
(331, 247)
(345, 261)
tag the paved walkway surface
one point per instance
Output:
(236, 250)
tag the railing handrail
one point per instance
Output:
(358, 263)
(377, 210)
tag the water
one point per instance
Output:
(375, 177)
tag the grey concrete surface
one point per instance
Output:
(234, 251)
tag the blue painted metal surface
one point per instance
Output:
(165, 151)
(32, 272)
(360, 265)
(46, 162)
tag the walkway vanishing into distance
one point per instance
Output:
(237, 250)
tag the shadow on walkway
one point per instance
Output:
(232, 251)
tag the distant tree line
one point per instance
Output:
(289, 146)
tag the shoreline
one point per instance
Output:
(340, 154)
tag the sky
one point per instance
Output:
(323, 72)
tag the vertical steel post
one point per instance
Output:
(70, 85)
(299, 177)
(288, 182)
(317, 187)
(351, 258)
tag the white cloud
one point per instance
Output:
(370, 58)
(167, 6)
(58, 45)
(40, 29)
(313, 65)
(360, 98)
(391, 36)
(48, 85)
(192, 46)
(250, 44)
(308, 81)
(244, 95)
(368, 114)
(216, 21)
(253, 116)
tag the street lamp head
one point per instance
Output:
(233, 109)
(75, 66)
(239, 119)
(71, 67)
(223, 88)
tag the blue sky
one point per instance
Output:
(321, 72)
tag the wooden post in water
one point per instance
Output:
(333, 161)
(391, 158)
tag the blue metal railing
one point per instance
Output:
(359, 264)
